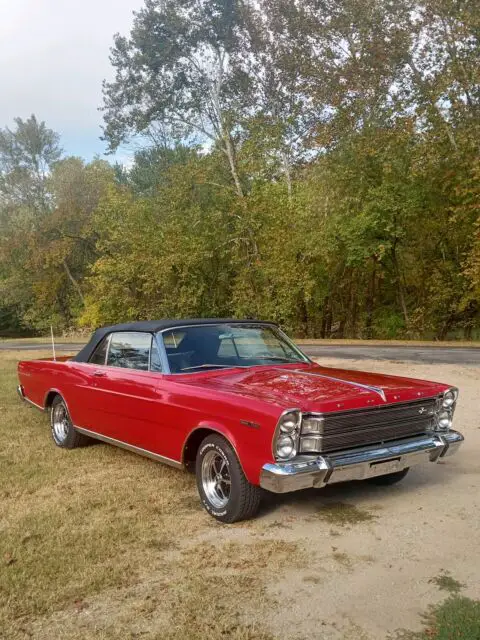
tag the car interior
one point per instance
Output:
(216, 347)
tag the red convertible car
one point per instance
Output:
(238, 402)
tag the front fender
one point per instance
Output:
(249, 452)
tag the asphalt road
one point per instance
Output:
(400, 353)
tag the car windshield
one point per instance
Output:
(198, 348)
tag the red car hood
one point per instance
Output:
(316, 388)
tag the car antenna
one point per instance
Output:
(53, 343)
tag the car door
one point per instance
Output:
(123, 401)
(125, 389)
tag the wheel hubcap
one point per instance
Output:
(60, 422)
(216, 479)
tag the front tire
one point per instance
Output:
(224, 490)
(389, 478)
(63, 431)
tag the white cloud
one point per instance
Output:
(53, 58)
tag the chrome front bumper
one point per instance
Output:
(304, 472)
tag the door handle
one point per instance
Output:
(99, 374)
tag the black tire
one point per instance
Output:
(243, 498)
(65, 436)
(389, 478)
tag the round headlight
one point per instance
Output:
(444, 420)
(289, 422)
(449, 398)
(285, 446)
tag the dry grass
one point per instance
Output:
(342, 514)
(445, 582)
(47, 340)
(100, 543)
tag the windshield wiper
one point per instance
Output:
(201, 366)
(265, 357)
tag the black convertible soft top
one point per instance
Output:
(151, 326)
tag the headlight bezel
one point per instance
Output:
(285, 442)
(448, 399)
(445, 409)
(292, 432)
(444, 416)
(289, 422)
(307, 430)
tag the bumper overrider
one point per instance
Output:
(304, 472)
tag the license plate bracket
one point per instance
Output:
(383, 467)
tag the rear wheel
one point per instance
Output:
(390, 478)
(224, 490)
(63, 431)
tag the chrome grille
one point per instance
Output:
(376, 425)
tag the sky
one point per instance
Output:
(54, 55)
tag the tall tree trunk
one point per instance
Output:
(354, 317)
(399, 282)
(326, 323)
(73, 281)
(287, 170)
(370, 301)
(445, 328)
(223, 130)
(303, 316)
(433, 106)
(230, 153)
(353, 307)
(453, 53)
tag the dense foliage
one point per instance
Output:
(312, 162)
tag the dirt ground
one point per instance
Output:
(370, 577)
(350, 562)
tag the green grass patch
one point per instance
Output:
(457, 618)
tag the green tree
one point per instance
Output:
(174, 78)
(27, 154)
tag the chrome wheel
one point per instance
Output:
(60, 422)
(216, 479)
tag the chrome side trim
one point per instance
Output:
(34, 404)
(357, 464)
(293, 345)
(130, 447)
(107, 351)
(220, 433)
(219, 323)
(369, 387)
(23, 397)
(162, 353)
